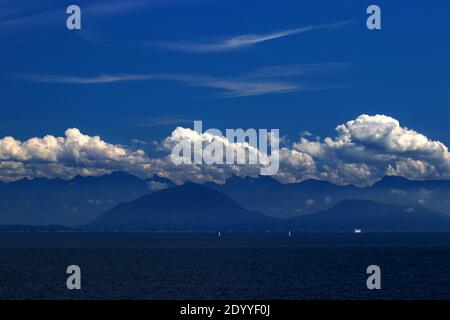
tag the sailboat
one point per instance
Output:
(219, 234)
(290, 234)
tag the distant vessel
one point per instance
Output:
(357, 230)
(290, 234)
(219, 234)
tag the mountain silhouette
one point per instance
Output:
(194, 207)
(82, 199)
(42, 201)
(372, 216)
(394, 182)
(189, 207)
(268, 196)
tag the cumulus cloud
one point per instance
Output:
(369, 147)
(73, 154)
(364, 150)
(216, 172)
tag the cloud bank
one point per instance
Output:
(362, 151)
(369, 147)
(64, 157)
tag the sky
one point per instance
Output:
(139, 69)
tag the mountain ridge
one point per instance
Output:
(197, 208)
(182, 208)
(80, 200)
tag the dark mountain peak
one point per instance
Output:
(186, 207)
(40, 181)
(80, 178)
(238, 180)
(190, 192)
(234, 178)
(183, 196)
(116, 177)
(373, 216)
(393, 181)
(261, 181)
(313, 184)
(401, 182)
(268, 180)
(121, 174)
(157, 183)
(66, 202)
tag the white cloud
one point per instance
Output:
(369, 147)
(363, 151)
(207, 172)
(75, 153)
(386, 134)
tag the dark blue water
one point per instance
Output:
(203, 266)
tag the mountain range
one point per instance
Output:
(42, 201)
(123, 202)
(197, 208)
(372, 216)
(267, 195)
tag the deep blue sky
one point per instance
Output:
(401, 71)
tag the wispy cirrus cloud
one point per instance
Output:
(241, 87)
(70, 79)
(242, 41)
(230, 87)
(291, 70)
(267, 80)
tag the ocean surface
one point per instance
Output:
(233, 266)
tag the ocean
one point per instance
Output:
(234, 266)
